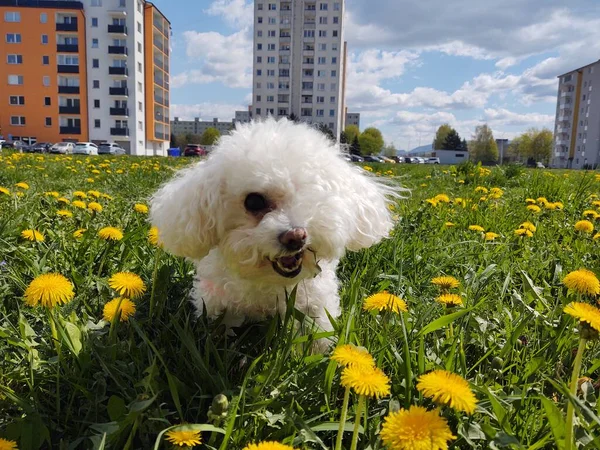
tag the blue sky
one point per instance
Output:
(413, 65)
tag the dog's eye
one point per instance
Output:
(255, 202)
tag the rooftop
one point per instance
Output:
(42, 4)
(578, 69)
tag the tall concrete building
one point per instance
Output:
(93, 70)
(298, 60)
(577, 124)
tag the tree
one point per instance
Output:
(173, 141)
(371, 141)
(534, 144)
(323, 128)
(440, 136)
(483, 146)
(184, 139)
(355, 147)
(343, 138)
(351, 131)
(464, 146)
(390, 150)
(452, 141)
(210, 136)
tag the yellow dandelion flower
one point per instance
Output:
(550, 206)
(585, 226)
(476, 228)
(530, 201)
(268, 445)
(79, 233)
(450, 300)
(558, 205)
(542, 200)
(528, 226)
(22, 185)
(4, 191)
(112, 308)
(95, 206)
(95, 194)
(6, 444)
(127, 284)
(596, 236)
(368, 169)
(79, 194)
(481, 189)
(496, 193)
(107, 197)
(89, 180)
(140, 208)
(490, 236)
(442, 198)
(49, 290)
(95, 171)
(432, 201)
(449, 224)
(364, 380)
(385, 300)
(461, 181)
(582, 281)
(523, 232)
(590, 213)
(596, 203)
(153, 236)
(52, 194)
(585, 313)
(64, 213)
(110, 233)
(351, 355)
(32, 235)
(63, 200)
(79, 204)
(534, 208)
(445, 282)
(447, 388)
(184, 438)
(416, 429)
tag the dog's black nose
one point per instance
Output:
(293, 239)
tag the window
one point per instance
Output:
(45, 60)
(332, 99)
(334, 47)
(271, 47)
(259, 59)
(140, 125)
(272, 20)
(259, 33)
(320, 86)
(121, 3)
(259, 19)
(321, 73)
(320, 99)
(258, 46)
(139, 27)
(95, 63)
(258, 85)
(139, 7)
(332, 87)
(96, 84)
(13, 38)
(270, 98)
(309, 33)
(18, 59)
(335, 33)
(46, 81)
(334, 73)
(140, 87)
(140, 67)
(44, 38)
(323, 6)
(336, 19)
(271, 85)
(43, 18)
(96, 103)
(96, 2)
(11, 16)
(16, 100)
(271, 59)
(94, 22)
(15, 79)
(94, 43)
(259, 6)
(17, 120)
(139, 47)
(271, 33)
(336, 6)
(334, 60)
(48, 121)
(258, 72)
(323, 20)
(323, 47)
(47, 101)
(331, 112)
(272, 6)
(140, 106)
(96, 123)
(322, 60)
(68, 60)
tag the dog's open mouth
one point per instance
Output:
(288, 266)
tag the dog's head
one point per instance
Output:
(275, 197)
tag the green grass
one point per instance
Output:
(118, 387)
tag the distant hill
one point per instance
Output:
(420, 150)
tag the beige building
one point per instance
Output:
(577, 124)
(197, 126)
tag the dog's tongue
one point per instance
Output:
(289, 261)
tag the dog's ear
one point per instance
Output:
(186, 211)
(369, 205)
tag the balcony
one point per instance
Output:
(67, 48)
(562, 142)
(117, 29)
(67, 68)
(70, 130)
(119, 131)
(72, 109)
(118, 71)
(117, 50)
(66, 26)
(68, 89)
(119, 112)
(285, 39)
(121, 91)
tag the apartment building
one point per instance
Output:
(298, 67)
(95, 71)
(197, 126)
(577, 123)
(352, 119)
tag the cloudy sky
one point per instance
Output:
(413, 64)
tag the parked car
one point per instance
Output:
(62, 148)
(418, 160)
(39, 147)
(85, 148)
(539, 165)
(356, 158)
(373, 158)
(388, 160)
(432, 161)
(110, 148)
(194, 150)
(398, 159)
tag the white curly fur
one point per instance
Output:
(200, 214)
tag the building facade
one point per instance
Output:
(107, 73)
(297, 68)
(577, 123)
(352, 119)
(197, 126)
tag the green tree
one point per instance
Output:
(483, 146)
(440, 136)
(452, 141)
(210, 136)
(389, 150)
(323, 128)
(355, 147)
(352, 131)
(464, 146)
(343, 138)
(184, 139)
(371, 141)
(173, 141)
(534, 144)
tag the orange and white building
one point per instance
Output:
(95, 72)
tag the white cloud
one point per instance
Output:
(502, 116)
(206, 111)
(236, 13)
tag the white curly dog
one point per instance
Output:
(274, 206)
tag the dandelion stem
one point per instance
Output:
(343, 415)
(573, 389)
(359, 409)
(154, 274)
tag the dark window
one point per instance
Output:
(44, 38)
(95, 63)
(48, 121)
(47, 101)
(94, 21)
(96, 123)
(459, 155)
(45, 60)
(96, 84)
(96, 103)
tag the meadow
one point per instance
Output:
(122, 362)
